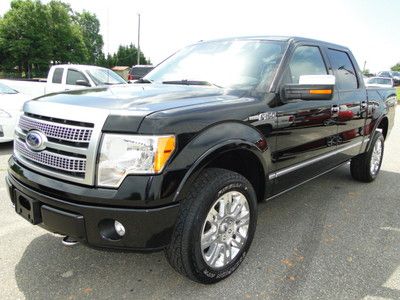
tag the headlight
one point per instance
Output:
(121, 155)
(4, 114)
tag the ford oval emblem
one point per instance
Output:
(36, 140)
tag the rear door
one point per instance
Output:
(306, 129)
(352, 102)
(55, 80)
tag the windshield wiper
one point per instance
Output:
(191, 82)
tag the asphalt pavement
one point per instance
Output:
(332, 238)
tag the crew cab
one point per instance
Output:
(179, 160)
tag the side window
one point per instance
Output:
(73, 76)
(346, 78)
(57, 75)
(306, 60)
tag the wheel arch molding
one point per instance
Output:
(237, 143)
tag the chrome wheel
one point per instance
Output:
(376, 157)
(225, 230)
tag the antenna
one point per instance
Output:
(138, 41)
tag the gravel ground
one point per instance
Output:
(332, 238)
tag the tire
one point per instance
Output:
(188, 252)
(365, 167)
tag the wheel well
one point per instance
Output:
(384, 126)
(246, 164)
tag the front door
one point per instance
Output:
(306, 129)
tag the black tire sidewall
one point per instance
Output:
(209, 196)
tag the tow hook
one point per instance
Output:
(69, 242)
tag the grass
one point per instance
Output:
(398, 93)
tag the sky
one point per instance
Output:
(370, 28)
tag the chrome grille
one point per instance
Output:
(52, 160)
(73, 136)
(70, 133)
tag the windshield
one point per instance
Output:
(105, 77)
(233, 64)
(6, 90)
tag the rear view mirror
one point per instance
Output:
(310, 87)
(82, 83)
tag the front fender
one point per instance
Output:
(214, 141)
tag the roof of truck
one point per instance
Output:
(78, 67)
(293, 39)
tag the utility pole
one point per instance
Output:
(138, 41)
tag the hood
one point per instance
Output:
(140, 99)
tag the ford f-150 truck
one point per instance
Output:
(179, 160)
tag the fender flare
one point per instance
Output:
(210, 154)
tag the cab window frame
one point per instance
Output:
(290, 57)
(333, 69)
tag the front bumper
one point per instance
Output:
(146, 229)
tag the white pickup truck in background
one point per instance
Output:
(66, 77)
(13, 93)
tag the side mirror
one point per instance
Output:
(310, 87)
(83, 83)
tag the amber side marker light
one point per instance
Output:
(321, 92)
(165, 148)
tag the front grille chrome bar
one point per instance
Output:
(53, 160)
(70, 133)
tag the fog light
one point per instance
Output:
(119, 228)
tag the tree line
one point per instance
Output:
(34, 36)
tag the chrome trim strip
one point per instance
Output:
(311, 161)
(305, 181)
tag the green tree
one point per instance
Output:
(34, 36)
(68, 45)
(23, 42)
(396, 67)
(127, 56)
(90, 27)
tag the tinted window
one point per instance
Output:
(57, 76)
(346, 78)
(140, 71)
(306, 60)
(73, 76)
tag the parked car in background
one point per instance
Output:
(139, 71)
(391, 74)
(70, 77)
(11, 103)
(383, 82)
(67, 77)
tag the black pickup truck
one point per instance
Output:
(179, 160)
